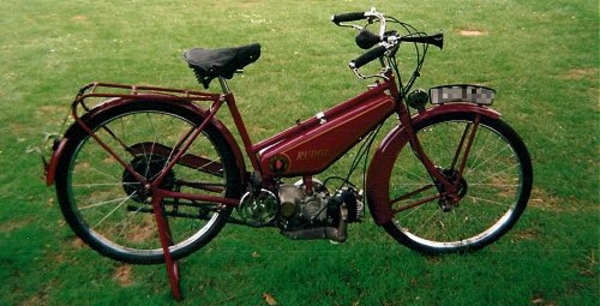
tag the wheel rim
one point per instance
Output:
(113, 215)
(493, 174)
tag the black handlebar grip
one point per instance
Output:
(348, 17)
(368, 57)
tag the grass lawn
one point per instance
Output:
(541, 57)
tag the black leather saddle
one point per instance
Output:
(212, 63)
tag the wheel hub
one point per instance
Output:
(149, 166)
(450, 201)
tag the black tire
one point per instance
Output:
(497, 184)
(105, 206)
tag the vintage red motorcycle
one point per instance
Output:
(146, 175)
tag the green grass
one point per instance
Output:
(541, 56)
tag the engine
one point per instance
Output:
(297, 209)
(317, 214)
(301, 214)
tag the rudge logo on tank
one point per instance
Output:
(312, 154)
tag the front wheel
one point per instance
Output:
(109, 209)
(493, 184)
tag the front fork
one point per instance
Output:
(447, 181)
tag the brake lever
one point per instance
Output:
(350, 25)
(370, 20)
(381, 74)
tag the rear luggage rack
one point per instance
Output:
(95, 94)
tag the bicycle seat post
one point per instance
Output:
(224, 85)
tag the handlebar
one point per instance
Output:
(387, 40)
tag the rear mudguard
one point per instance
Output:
(378, 174)
(175, 102)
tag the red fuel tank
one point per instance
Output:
(320, 141)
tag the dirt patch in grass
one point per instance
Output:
(69, 246)
(123, 275)
(143, 232)
(471, 32)
(525, 234)
(77, 243)
(542, 200)
(40, 298)
(586, 265)
(80, 18)
(12, 225)
(51, 112)
(581, 73)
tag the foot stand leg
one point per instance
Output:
(164, 232)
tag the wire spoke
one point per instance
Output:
(123, 201)
(478, 199)
(118, 200)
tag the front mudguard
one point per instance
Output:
(175, 102)
(379, 171)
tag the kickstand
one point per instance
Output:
(166, 240)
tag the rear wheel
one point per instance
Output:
(108, 208)
(493, 187)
